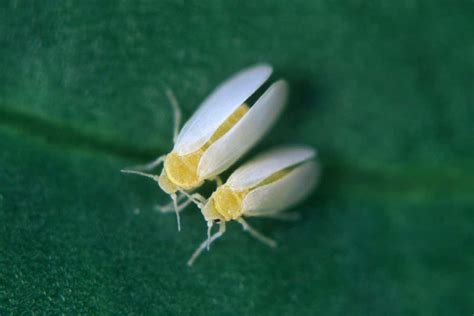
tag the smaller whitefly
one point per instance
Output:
(265, 186)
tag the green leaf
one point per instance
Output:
(383, 90)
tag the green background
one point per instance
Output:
(383, 89)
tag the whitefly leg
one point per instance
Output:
(147, 167)
(143, 174)
(175, 204)
(183, 205)
(197, 198)
(207, 242)
(169, 207)
(256, 234)
(176, 112)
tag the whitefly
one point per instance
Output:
(223, 128)
(265, 186)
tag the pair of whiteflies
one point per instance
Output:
(221, 131)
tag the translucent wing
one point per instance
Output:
(264, 165)
(282, 193)
(218, 106)
(246, 133)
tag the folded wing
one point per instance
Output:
(216, 108)
(246, 133)
(264, 165)
(283, 193)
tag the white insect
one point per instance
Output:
(222, 130)
(264, 186)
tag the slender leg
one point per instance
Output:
(209, 229)
(197, 198)
(149, 166)
(169, 206)
(201, 200)
(205, 243)
(284, 216)
(175, 204)
(176, 112)
(267, 241)
(148, 175)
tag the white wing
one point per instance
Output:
(282, 193)
(264, 165)
(218, 106)
(246, 133)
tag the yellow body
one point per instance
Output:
(182, 171)
(225, 204)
